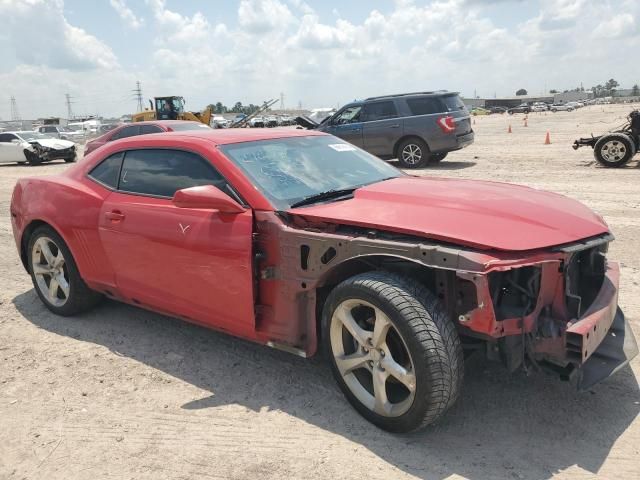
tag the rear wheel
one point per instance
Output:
(614, 150)
(55, 275)
(393, 351)
(32, 158)
(413, 153)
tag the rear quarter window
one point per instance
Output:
(107, 172)
(425, 105)
(453, 103)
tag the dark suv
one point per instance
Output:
(415, 128)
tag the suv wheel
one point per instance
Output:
(413, 153)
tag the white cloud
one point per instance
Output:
(261, 16)
(617, 26)
(126, 14)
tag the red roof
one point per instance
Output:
(224, 136)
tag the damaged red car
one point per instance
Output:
(301, 241)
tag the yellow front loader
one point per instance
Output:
(171, 108)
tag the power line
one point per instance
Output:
(281, 101)
(137, 92)
(15, 114)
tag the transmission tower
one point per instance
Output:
(137, 93)
(15, 114)
(69, 102)
(281, 101)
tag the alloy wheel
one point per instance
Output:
(372, 358)
(412, 154)
(50, 271)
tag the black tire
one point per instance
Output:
(554, 110)
(614, 150)
(71, 159)
(510, 112)
(32, 158)
(81, 297)
(428, 335)
(437, 157)
(419, 147)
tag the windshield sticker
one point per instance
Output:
(342, 147)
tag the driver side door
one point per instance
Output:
(190, 262)
(10, 151)
(347, 125)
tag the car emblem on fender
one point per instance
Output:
(184, 228)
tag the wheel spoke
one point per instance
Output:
(53, 289)
(400, 373)
(359, 334)
(381, 405)
(63, 284)
(39, 269)
(380, 328)
(46, 251)
(58, 261)
(348, 363)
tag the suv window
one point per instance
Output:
(348, 115)
(130, 131)
(163, 172)
(107, 172)
(425, 105)
(144, 129)
(379, 111)
(453, 103)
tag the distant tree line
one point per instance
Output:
(606, 90)
(237, 108)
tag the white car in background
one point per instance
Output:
(34, 148)
(561, 107)
(539, 107)
(575, 105)
(64, 133)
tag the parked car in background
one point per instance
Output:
(257, 122)
(575, 105)
(561, 107)
(34, 148)
(522, 108)
(479, 111)
(219, 121)
(415, 128)
(270, 121)
(539, 107)
(142, 128)
(394, 277)
(498, 109)
(64, 133)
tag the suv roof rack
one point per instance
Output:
(435, 92)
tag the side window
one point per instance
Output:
(5, 138)
(379, 111)
(348, 115)
(425, 106)
(107, 172)
(144, 129)
(163, 172)
(130, 131)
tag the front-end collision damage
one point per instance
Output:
(36, 151)
(528, 309)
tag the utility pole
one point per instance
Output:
(69, 102)
(281, 101)
(137, 93)
(299, 104)
(15, 114)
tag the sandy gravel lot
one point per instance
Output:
(122, 393)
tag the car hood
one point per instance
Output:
(54, 143)
(485, 215)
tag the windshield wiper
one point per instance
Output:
(328, 195)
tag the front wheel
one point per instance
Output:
(413, 153)
(70, 159)
(614, 150)
(393, 350)
(55, 275)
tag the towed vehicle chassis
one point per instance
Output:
(554, 310)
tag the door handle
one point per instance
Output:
(395, 125)
(114, 216)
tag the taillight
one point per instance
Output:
(447, 124)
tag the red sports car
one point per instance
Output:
(142, 128)
(296, 239)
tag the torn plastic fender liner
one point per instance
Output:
(617, 349)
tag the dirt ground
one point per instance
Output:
(122, 393)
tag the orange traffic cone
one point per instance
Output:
(509, 131)
(547, 140)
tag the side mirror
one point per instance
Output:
(206, 196)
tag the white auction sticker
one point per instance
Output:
(342, 147)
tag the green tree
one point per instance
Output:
(238, 107)
(521, 92)
(553, 90)
(635, 90)
(610, 86)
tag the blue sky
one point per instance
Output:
(319, 53)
